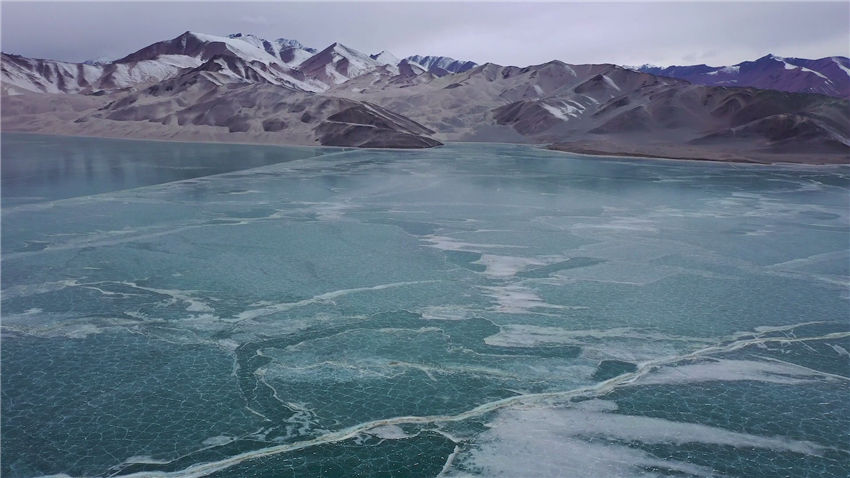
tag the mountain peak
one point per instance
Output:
(287, 43)
(338, 63)
(442, 65)
(385, 58)
(98, 61)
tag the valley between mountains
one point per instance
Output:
(245, 89)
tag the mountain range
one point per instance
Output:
(827, 76)
(242, 88)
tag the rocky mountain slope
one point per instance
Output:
(291, 52)
(828, 76)
(610, 109)
(244, 88)
(236, 88)
(441, 65)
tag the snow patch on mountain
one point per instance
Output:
(242, 48)
(445, 63)
(830, 76)
(290, 52)
(385, 58)
(837, 61)
(610, 82)
(564, 109)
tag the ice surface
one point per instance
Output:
(587, 441)
(224, 310)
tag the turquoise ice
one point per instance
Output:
(222, 310)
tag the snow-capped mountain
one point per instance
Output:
(442, 65)
(409, 69)
(202, 47)
(153, 63)
(337, 64)
(99, 61)
(20, 74)
(386, 58)
(238, 57)
(828, 76)
(291, 52)
(246, 58)
(197, 86)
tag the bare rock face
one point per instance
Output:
(367, 126)
(214, 96)
(782, 133)
(606, 107)
(337, 64)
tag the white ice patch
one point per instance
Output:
(626, 344)
(505, 266)
(731, 370)
(389, 432)
(83, 331)
(515, 335)
(550, 441)
(228, 344)
(597, 405)
(329, 211)
(621, 224)
(840, 350)
(445, 243)
(193, 304)
(27, 290)
(518, 299)
(445, 313)
(218, 440)
(326, 297)
(145, 459)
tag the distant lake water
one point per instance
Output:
(179, 309)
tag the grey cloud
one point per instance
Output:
(505, 33)
(256, 20)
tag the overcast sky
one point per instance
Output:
(506, 33)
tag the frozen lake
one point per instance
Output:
(471, 310)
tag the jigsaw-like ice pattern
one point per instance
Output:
(471, 310)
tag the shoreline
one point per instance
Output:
(213, 141)
(169, 140)
(578, 151)
(622, 154)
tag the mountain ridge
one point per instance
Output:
(241, 86)
(828, 75)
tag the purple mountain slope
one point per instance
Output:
(827, 76)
